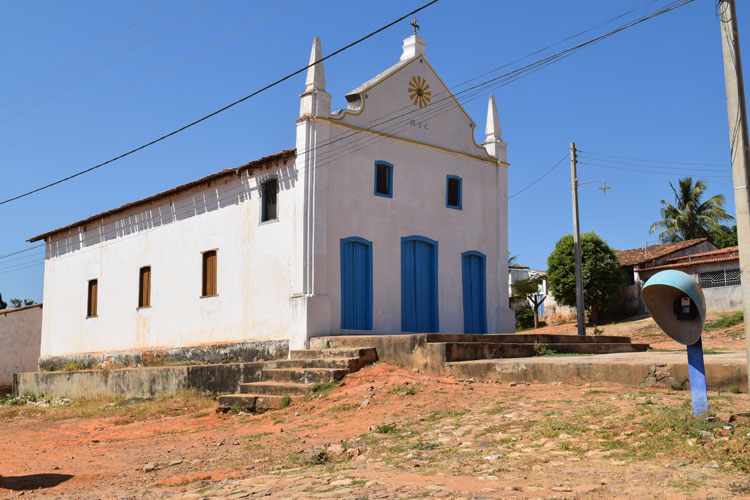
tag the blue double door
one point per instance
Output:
(419, 286)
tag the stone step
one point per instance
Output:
(468, 351)
(304, 375)
(527, 338)
(275, 388)
(365, 354)
(351, 364)
(253, 402)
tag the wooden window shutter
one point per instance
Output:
(269, 209)
(91, 307)
(144, 287)
(209, 273)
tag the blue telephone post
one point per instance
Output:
(678, 306)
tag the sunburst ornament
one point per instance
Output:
(419, 91)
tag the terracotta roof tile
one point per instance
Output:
(638, 255)
(713, 253)
(259, 163)
(689, 264)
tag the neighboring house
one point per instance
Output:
(387, 218)
(20, 335)
(549, 311)
(716, 271)
(635, 260)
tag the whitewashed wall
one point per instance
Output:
(416, 208)
(20, 333)
(169, 235)
(424, 145)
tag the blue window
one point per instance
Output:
(453, 192)
(356, 284)
(383, 179)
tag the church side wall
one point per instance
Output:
(170, 236)
(417, 207)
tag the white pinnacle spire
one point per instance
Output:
(316, 77)
(493, 130)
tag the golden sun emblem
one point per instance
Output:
(419, 91)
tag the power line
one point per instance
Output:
(540, 177)
(220, 110)
(655, 166)
(21, 251)
(150, 78)
(105, 65)
(86, 55)
(651, 171)
(656, 161)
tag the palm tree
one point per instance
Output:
(690, 217)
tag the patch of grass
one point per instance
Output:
(714, 350)
(726, 320)
(186, 402)
(386, 429)
(285, 400)
(342, 407)
(543, 350)
(441, 414)
(404, 390)
(425, 445)
(322, 389)
(73, 366)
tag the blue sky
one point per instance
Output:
(655, 91)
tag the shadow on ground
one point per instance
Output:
(32, 481)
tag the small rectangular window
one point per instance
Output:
(453, 192)
(383, 179)
(92, 299)
(269, 191)
(144, 287)
(209, 274)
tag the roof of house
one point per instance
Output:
(689, 264)
(721, 252)
(727, 254)
(17, 309)
(640, 255)
(253, 165)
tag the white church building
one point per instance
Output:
(387, 217)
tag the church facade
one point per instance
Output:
(387, 217)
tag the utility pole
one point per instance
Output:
(580, 312)
(740, 148)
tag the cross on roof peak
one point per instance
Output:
(414, 24)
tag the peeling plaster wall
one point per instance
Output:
(169, 235)
(20, 335)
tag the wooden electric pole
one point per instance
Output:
(580, 312)
(740, 148)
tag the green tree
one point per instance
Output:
(725, 237)
(690, 217)
(21, 303)
(528, 291)
(602, 274)
(3, 304)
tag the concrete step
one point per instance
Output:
(351, 364)
(365, 354)
(468, 351)
(527, 338)
(304, 375)
(275, 388)
(252, 402)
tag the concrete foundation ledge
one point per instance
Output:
(228, 352)
(138, 382)
(725, 372)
